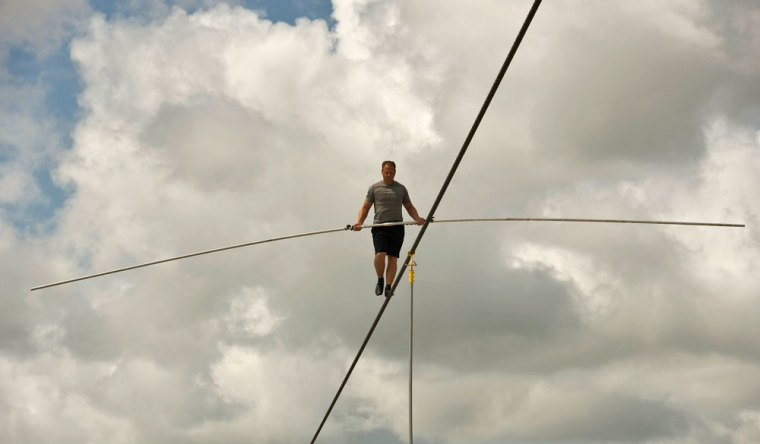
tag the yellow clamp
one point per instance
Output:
(411, 268)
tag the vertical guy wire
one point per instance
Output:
(411, 345)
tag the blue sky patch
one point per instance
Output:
(22, 63)
(288, 12)
(276, 10)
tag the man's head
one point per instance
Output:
(389, 171)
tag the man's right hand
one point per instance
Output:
(357, 227)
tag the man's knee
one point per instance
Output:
(380, 255)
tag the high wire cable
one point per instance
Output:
(445, 186)
(389, 224)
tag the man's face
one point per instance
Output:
(388, 174)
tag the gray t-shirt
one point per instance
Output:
(388, 200)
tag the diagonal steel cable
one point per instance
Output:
(438, 199)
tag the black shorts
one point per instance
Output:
(388, 240)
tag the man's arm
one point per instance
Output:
(363, 212)
(413, 212)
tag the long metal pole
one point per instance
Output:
(389, 224)
(608, 221)
(563, 219)
(185, 256)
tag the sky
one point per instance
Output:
(137, 130)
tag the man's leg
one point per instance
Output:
(379, 264)
(390, 273)
(396, 238)
(379, 268)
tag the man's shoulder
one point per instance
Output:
(381, 184)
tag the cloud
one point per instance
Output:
(250, 314)
(218, 127)
(41, 24)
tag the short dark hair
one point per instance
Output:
(388, 162)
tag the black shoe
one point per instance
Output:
(387, 290)
(379, 287)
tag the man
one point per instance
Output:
(388, 196)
